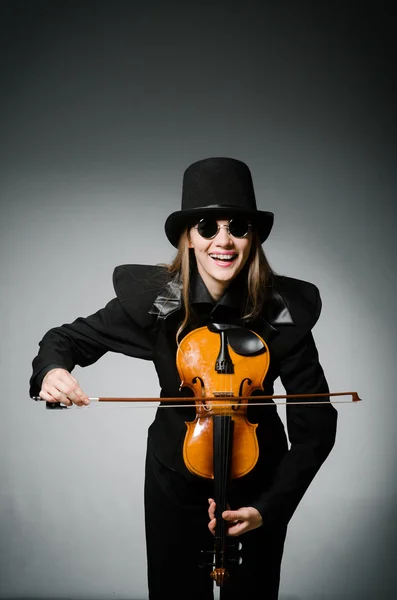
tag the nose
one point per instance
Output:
(223, 236)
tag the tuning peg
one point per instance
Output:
(236, 561)
(236, 546)
(206, 559)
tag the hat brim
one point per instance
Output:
(179, 220)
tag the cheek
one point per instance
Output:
(247, 251)
(194, 239)
(198, 243)
(246, 247)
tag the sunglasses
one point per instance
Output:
(237, 227)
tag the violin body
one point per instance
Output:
(218, 377)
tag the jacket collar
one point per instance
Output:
(169, 300)
(233, 298)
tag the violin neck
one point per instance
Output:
(223, 440)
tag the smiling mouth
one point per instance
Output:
(225, 258)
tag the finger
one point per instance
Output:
(47, 397)
(64, 383)
(59, 396)
(73, 395)
(70, 387)
(52, 394)
(238, 528)
(212, 526)
(233, 515)
(211, 509)
(79, 392)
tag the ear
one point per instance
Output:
(189, 241)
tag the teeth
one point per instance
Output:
(223, 256)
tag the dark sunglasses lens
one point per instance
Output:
(207, 228)
(238, 227)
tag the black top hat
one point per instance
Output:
(220, 187)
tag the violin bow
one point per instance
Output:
(177, 402)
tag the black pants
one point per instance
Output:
(176, 521)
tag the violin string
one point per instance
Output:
(226, 466)
(227, 426)
(222, 476)
(218, 432)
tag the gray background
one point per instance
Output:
(103, 105)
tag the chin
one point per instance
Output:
(225, 275)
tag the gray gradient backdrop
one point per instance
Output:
(103, 105)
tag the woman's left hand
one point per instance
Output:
(239, 521)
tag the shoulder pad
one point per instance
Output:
(137, 286)
(302, 299)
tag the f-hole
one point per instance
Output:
(240, 391)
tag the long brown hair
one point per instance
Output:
(259, 274)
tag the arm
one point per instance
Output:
(311, 431)
(85, 340)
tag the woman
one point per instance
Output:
(219, 276)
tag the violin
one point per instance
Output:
(227, 364)
(208, 365)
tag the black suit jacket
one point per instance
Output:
(142, 321)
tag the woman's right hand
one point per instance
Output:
(59, 385)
